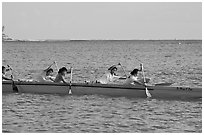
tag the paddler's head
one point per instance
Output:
(63, 70)
(112, 69)
(134, 72)
(49, 72)
(4, 70)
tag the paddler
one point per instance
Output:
(46, 75)
(110, 76)
(60, 78)
(133, 78)
(4, 70)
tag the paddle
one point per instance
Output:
(159, 84)
(14, 87)
(56, 65)
(122, 69)
(146, 90)
(70, 82)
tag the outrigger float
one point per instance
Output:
(113, 90)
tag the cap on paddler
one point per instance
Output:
(62, 70)
(134, 71)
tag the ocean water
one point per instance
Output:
(179, 62)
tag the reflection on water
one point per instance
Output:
(53, 113)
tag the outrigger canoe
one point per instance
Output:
(114, 90)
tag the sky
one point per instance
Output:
(93, 21)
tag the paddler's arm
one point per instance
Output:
(50, 78)
(119, 77)
(5, 78)
(63, 80)
(123, 77)
(137, 82)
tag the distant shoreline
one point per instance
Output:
(100, 40)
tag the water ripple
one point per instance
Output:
(163, 61)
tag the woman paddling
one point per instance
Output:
(61, 75)
(133, 78)
(45, 75)
(110, 76)
(4, 70)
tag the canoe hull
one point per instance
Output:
(176, 93)
(113, 90)
(7, 87)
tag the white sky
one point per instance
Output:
(103, 20)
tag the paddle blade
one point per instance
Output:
(148, 93)
(15, 88)
(70, 92)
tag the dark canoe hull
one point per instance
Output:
(114, 90)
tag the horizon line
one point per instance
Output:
(93, 40)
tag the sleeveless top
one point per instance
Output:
(107, 78)
(42, 77)
(58, 78)
(131, 79)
